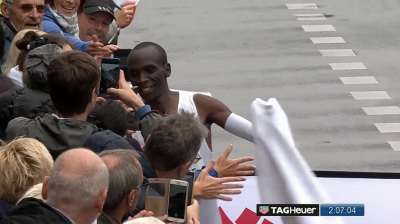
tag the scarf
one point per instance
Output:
(68, 25)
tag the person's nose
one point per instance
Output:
(142, 78)
(34, 13)
(98, 27)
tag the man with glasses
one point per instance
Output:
(18, 15)
(125, 186)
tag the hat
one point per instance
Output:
(92, 6)
(37, 63)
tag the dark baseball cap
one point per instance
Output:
(92, 6)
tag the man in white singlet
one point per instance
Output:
(149, 69)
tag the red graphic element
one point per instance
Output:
(224, 218)
(266, 222)
(248, 217)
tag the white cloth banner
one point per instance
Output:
(284, 176)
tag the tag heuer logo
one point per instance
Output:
(263, 209)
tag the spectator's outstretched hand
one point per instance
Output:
(96, 48)
(193, 213)
(233, 167)
(209, 187)
(126, 94)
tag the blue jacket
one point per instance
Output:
(50, 25)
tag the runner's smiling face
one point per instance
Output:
(148, 71)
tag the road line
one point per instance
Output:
(371, 95)
(302, 6)
(308, 17)
(347, 66)
(386, 110)
(388, 127)
(327, 40)
(318, 28)
(395, 145)
(359, 80)
(337, 53)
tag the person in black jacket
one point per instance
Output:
(33, 100)
(112, 116)
(5, 82)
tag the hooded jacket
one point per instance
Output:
(57, 134)
(34, 211)
(33, 100)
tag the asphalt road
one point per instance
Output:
(242, 50)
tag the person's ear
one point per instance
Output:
(100, 201)
(130, 199)
(4, 10)
(45, 186)
(168, 70)
(182, 170)
(94, 95)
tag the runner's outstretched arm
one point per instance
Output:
(218, 113)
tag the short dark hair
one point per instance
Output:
(111, 116)
(162, 54)
(125, 176)
(72, 77)
(175, 141)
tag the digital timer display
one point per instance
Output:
(342, 210)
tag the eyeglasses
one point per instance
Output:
(144, 184)
(29, 7)
(197, 159)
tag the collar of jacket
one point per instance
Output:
(9, 29)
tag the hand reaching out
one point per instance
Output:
(126, 94)
(233, 167)
(209, 187)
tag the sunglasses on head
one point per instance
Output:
(29, 7)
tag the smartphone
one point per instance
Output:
(109, 76)
(177, 202)
(190, 178)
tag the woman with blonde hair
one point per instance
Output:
(10, 67)
(24, 163)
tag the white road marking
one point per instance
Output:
(388, 127)
(371, 95)
(318, 28)
(302, 6)
(386, 110)
(327, 40)
(395, 145)
(308, 17)
(338, 53)
(359, 80)
(347, 66)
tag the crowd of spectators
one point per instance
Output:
(69, 156)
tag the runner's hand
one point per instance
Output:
(126, 94)
(124, 16)
(233, 167)
(208, 187)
